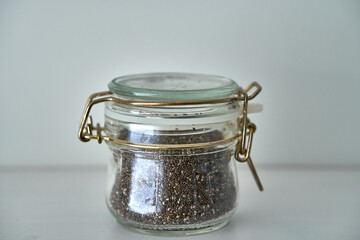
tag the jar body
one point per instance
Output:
(183, 190)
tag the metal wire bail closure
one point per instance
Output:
(245, 137)
(248, 128)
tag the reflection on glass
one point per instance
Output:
(144, 193)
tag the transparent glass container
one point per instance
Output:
(172, 169)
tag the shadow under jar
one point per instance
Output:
(172, 169)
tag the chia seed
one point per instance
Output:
(173, 187)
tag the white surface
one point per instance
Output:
(305, 54)
(56, 203)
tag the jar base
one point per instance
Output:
(172, 232)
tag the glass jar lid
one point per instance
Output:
(173, 87)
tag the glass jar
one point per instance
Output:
(174, 140)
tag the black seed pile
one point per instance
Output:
(173, 187)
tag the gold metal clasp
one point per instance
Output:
(243, 147)
(86, 128)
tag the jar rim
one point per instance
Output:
(168, 86)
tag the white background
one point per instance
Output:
(305, 54)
